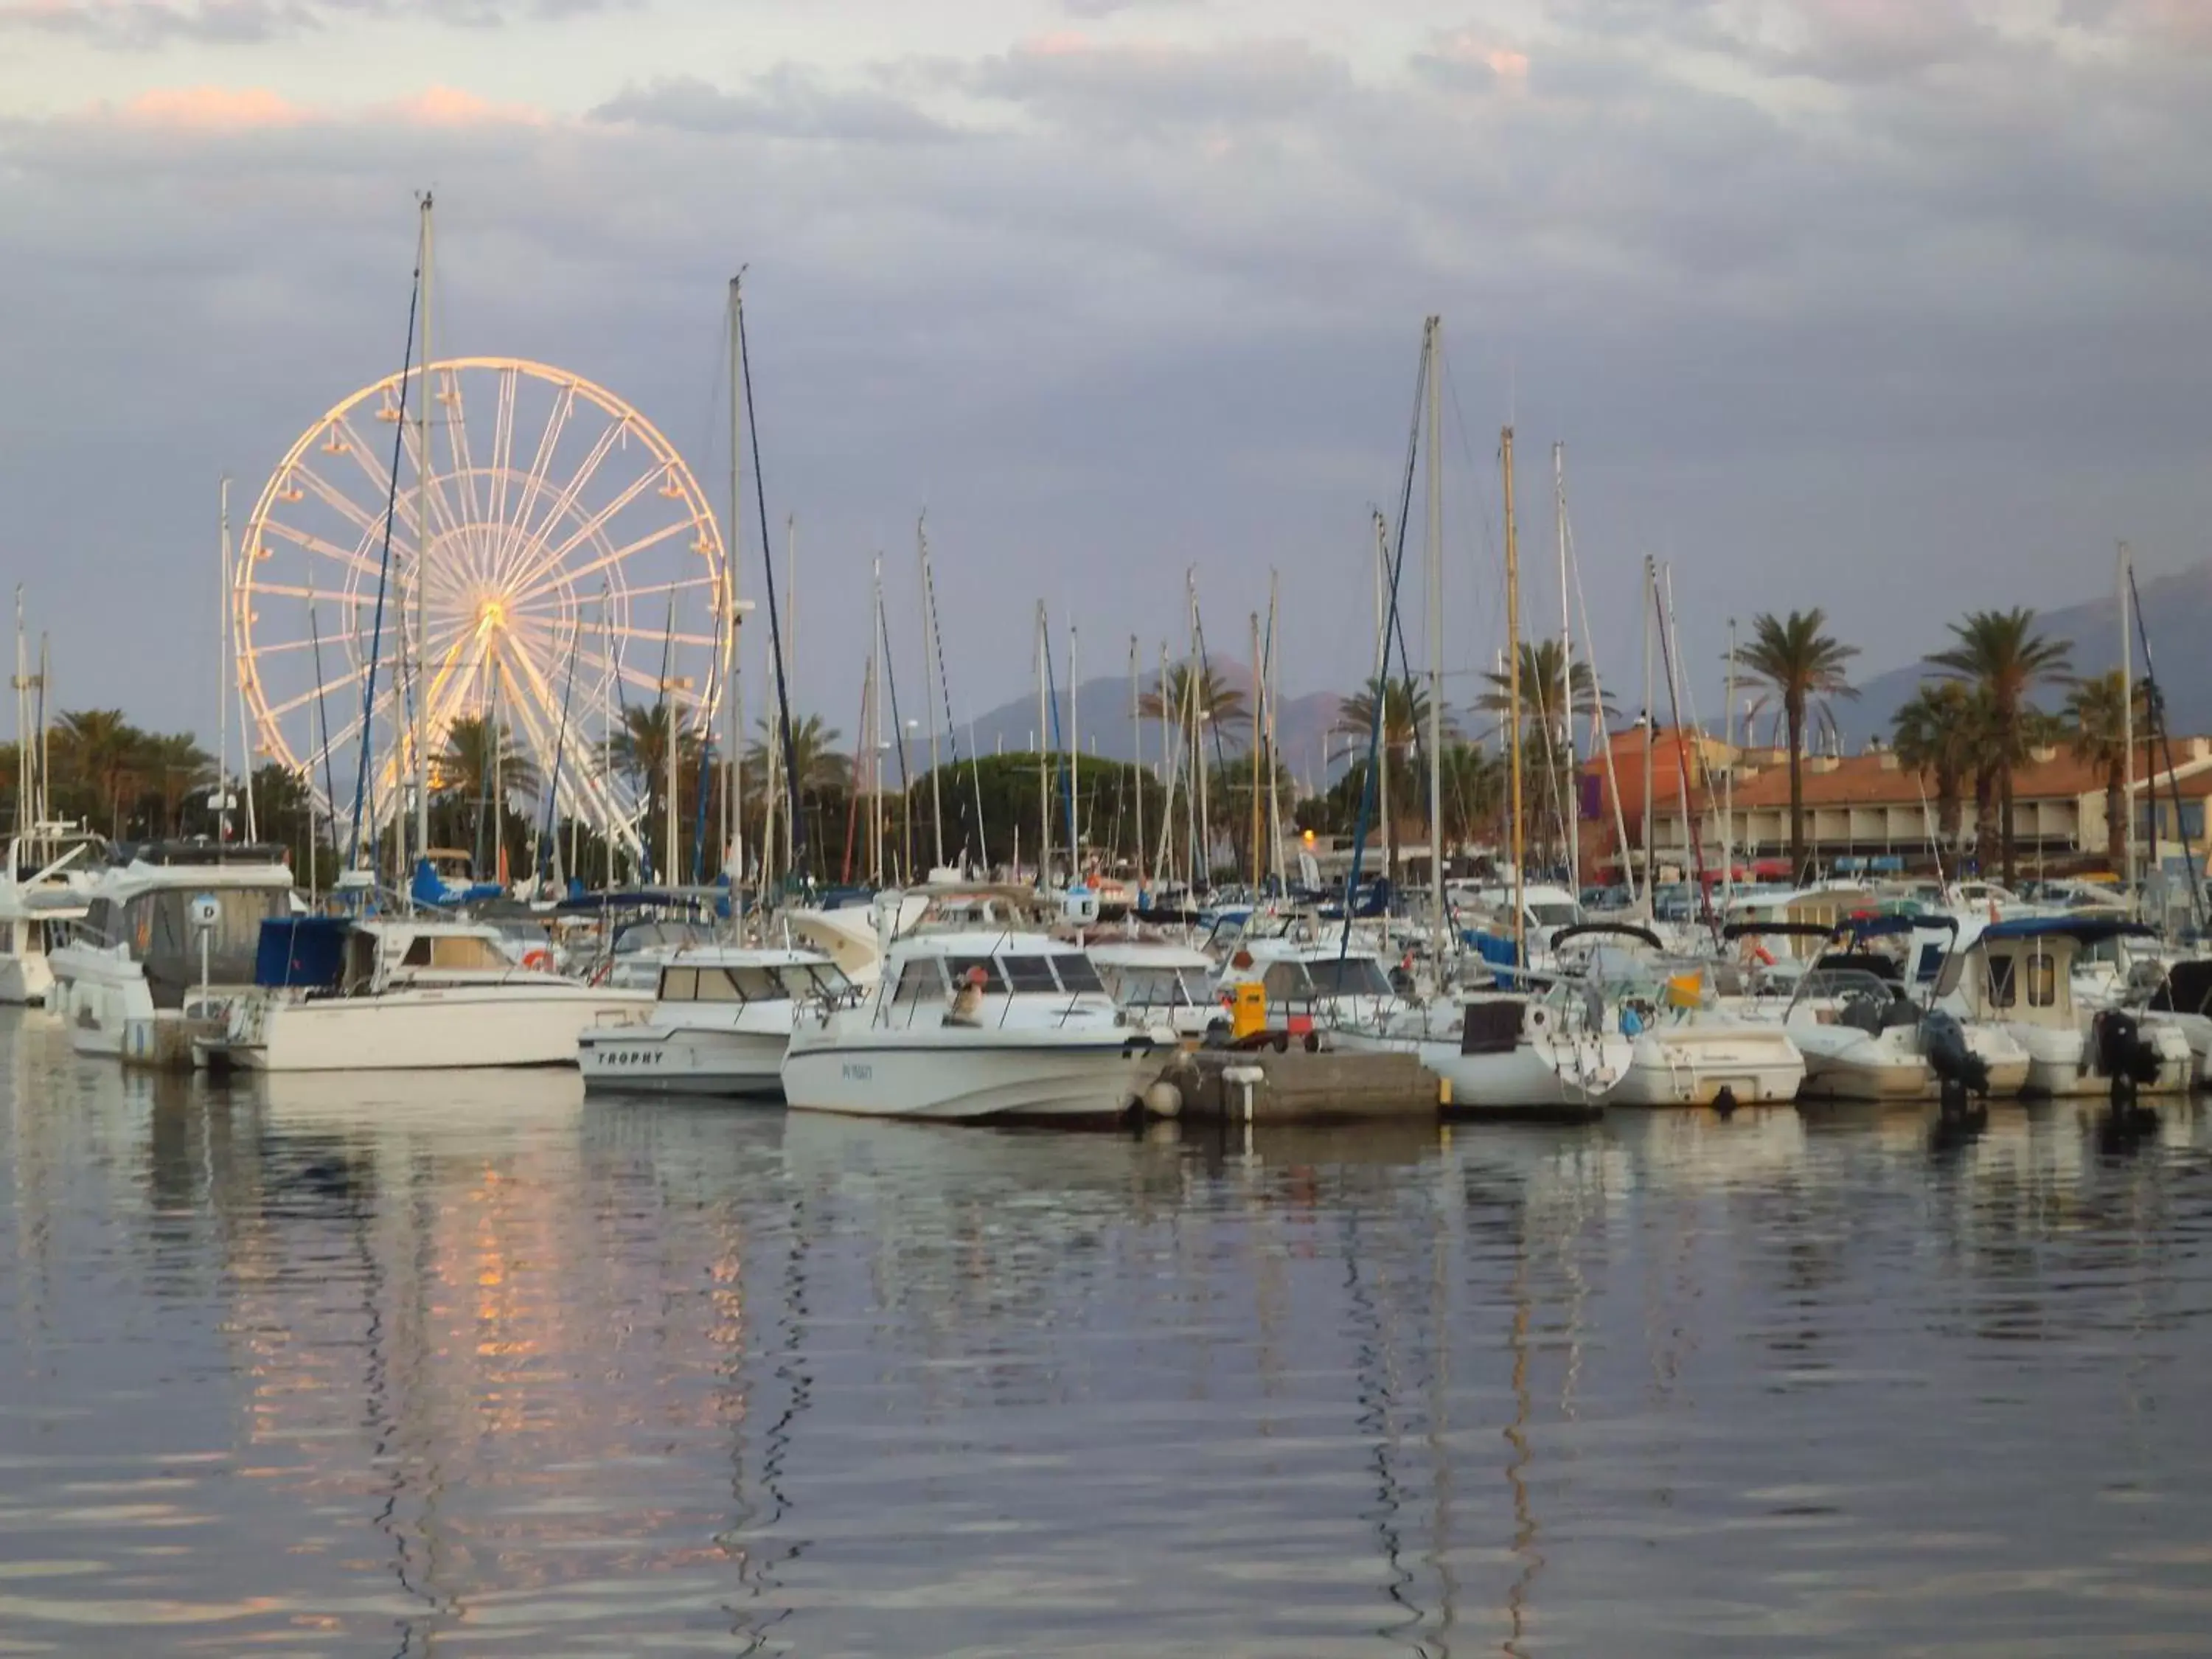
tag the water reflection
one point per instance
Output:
(405, 1365)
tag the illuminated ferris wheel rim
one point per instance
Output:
(524, 580)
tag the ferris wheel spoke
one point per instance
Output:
(457, 445)
(531, 535)
(371, 525)
(637, 676)
(292, 590)
(562, 578)
(549, 601)
(502, 445)
(313, 543)
(378, 476)
(443, 523)
(277, 711)
(547, 441)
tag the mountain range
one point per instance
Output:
(2178, 608)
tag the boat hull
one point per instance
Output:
(954, 1079)
(26, 980)
(1690, 1065)
(456, 1028)
(657, 1058)
(1524, 1075)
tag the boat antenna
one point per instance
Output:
(384, 567)
(775, 618)
(559, 750)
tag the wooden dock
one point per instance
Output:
(1267, 1086)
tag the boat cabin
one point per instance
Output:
(742, 980)
(2022, 972)
(147, 910)
(974, 978)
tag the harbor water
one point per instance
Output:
(469, 1364)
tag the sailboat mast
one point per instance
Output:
(733, 796)
(1259, 746)
(931, 690)
(1074, 765)
(22, 685)
(1274, 751)
(1651, 732)
(222, 665)
(2128, 728)
(1513, 697)
(427, 395)
(1044, 761)
(1432, 457)
(1381, 762)
(1136, 748)
(1727, 781)
(1571, 773)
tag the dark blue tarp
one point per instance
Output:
(301, 950)
(2085, 930)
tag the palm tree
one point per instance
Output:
(476, 749)
(98, 751)
(173, 767)
(1220, 703)
(1935, 735)
(822, 767)
(2000, 654)
(2097, 719)
(1405, 724)
(1548, 708)
(1803, 669)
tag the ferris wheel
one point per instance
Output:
(572, 574)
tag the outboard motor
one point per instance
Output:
(2124, 1057)
(1961, 1073)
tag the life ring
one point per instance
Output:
(1762, 956)
(539, 958)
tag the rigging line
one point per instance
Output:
(383, 570)
(1066, 773)
(1682, 767)
(2155, 700)
(898, 730)
(944, 686)
(774, 618)
(1375, 715)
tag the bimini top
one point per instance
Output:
(1606, 930)
(2082, 930)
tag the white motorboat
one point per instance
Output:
(335, 993)
(719, 1025)
(1160, 984)
(977, 1025)
(1319, 983)
(2182, 998)
(2019, 974)
(1684, 1047)
(44, 893)
(1502, 1050)
(167, 942)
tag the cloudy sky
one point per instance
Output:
(1888, 306)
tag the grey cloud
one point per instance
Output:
(148, 25)
(784, 103)
(1927, 343)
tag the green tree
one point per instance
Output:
(169, 769)
(2097, 717)
(1404, 705)
(1935, 735)
(96, 756)
(1551, 699)
(2000, 654)
(1804, 668)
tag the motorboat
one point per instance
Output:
(2019, 974)
(717, 1025)
(168, 941)
(44, 893)
(1316, 981)
(1862, 1015)
(1503, 1050)
(997, 1023)
(1160, 984)
(1684, 1049)
(343, 994)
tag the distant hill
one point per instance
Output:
(2178, 608)
(1103, 725)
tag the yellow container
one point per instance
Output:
(1685, 991)
(1247, 1009)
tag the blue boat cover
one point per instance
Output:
(301, 950)
(2085, 930)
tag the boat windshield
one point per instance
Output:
(1353, 976)
(1557, 914)
(1842, 985)
(1159, 988)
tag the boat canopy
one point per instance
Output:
(2082, 930)
(1737, 930)
(301, 951)
(1889, 927)
(1606, 930)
